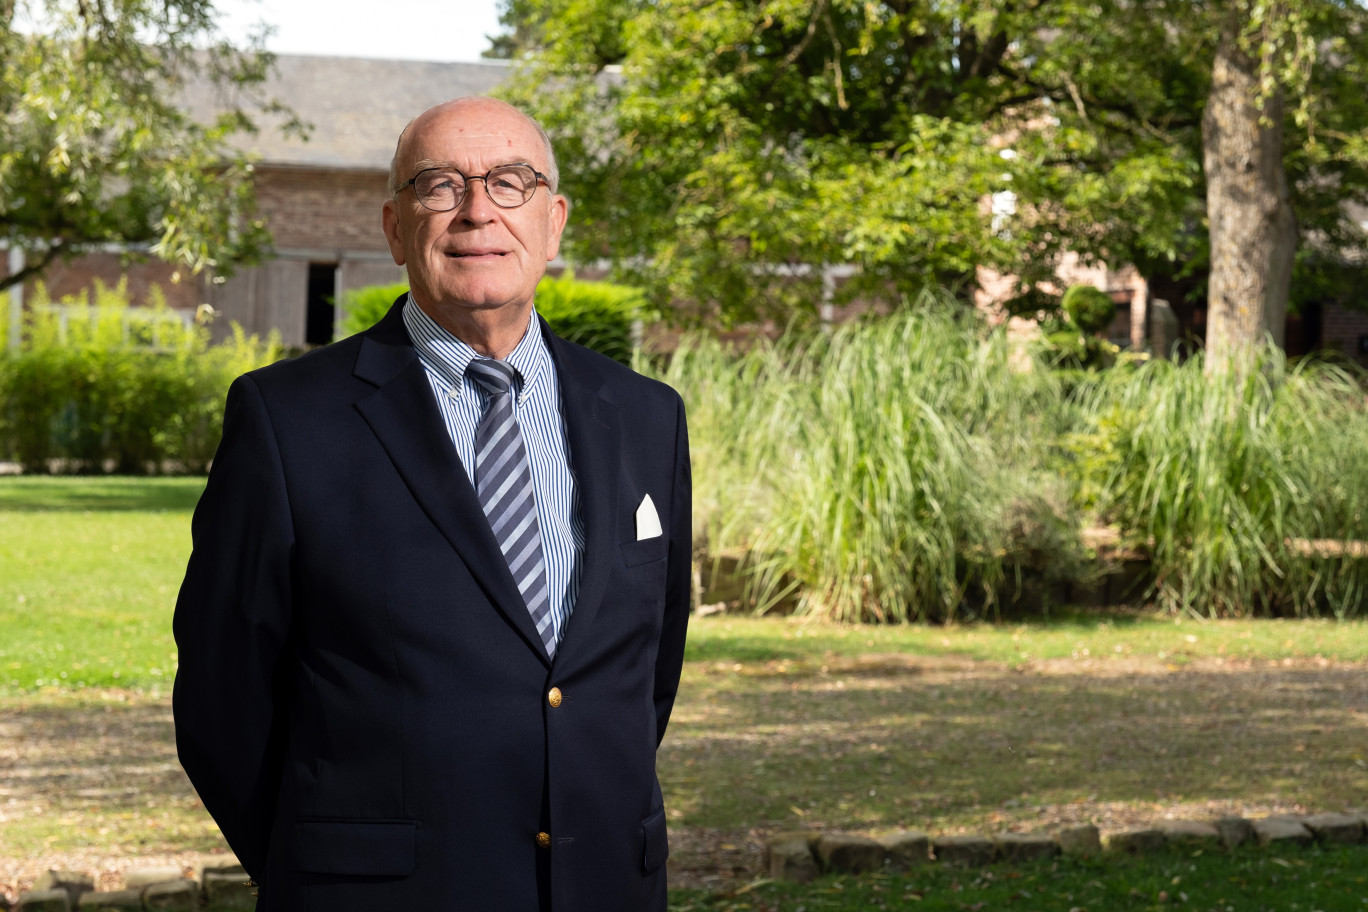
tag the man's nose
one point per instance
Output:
(477, 206)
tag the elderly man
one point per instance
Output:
(433, 624)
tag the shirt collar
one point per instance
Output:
(449, 357)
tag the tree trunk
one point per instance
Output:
(1253, 230)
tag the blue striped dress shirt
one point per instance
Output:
(537, 407)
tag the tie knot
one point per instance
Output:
(495, 376)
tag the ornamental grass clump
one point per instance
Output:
(882, 469)
(1249, 488)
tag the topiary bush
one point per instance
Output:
(1090, 309)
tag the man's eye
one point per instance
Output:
(442, 183)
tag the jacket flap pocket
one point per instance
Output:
(377, 848)
(657, 842)
(648, 549)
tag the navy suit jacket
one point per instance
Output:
(362, 701)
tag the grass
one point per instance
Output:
(1222, 474)
(1117, 719)
(881, 466)
(1112, 636)
(89, 570)
(1328, 879)
(907, 468)
(870, 730)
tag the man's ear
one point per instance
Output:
(558, 215)
(389, 221)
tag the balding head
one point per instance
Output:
(474, 106)
(474, 268)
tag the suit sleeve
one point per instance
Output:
(231, 626)
(678, 582)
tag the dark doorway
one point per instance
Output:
(1303, 330)
(321, 315)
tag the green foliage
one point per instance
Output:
(743, 137)
(364, 307)
(1091, 309)
(95, 147)
(887, 468)
(104, 386)
(1231, 480)
(597, 315)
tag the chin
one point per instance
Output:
(483, 299)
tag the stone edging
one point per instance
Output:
(801, 855)
(219, 886)
(792, 855)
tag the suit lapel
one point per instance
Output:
(402, 414)
(594, 436)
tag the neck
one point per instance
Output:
(494, 333)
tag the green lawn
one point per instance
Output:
(1247, 880)
(89, 570)
(1116, 719)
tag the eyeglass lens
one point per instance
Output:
(442, 189)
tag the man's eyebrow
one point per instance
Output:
(426, 163)
(429, 163)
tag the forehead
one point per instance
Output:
(473, 136)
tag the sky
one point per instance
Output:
(448, 31)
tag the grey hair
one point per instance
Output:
(552, 169)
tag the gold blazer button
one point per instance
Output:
(554, 697)
(544, 840)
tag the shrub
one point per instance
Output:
(597, 315)
(109, 387)
(362, 308)
(1091, 309)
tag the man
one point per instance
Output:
(432, 627)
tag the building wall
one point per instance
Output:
(1345, 331)
(181, 290)
(314, 208)
(317, 217)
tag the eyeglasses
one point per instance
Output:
(443, 189)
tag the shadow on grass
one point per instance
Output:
(115, 493)
(99, 773)
(958, 748)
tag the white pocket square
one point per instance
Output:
(647, 521)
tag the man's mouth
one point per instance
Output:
(474, 254)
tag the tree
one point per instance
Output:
(747, 137)
(94, 149)
(1267, 50)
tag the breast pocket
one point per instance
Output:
(643, 552)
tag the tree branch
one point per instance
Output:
(802, 45)
(31, 270)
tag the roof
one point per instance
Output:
(356, 106)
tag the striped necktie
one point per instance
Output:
(503, 479)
